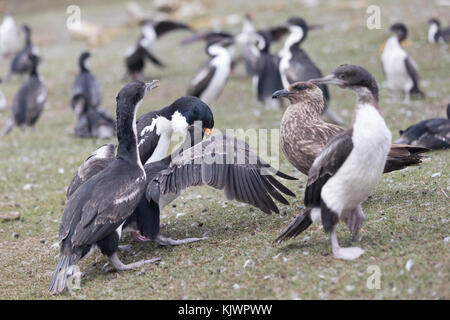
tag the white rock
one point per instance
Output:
(436, 174)
(349, 288)
(409, 264)
(236, 286)
(180, 214)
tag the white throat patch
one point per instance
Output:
(179, 123)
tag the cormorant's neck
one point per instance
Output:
(28, 39)
(33, 71)
(367, 95)
(83, 67)
(295, 38)
(126, 133)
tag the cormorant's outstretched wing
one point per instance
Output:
(165, 26)
(95, 163)
(226, 163)
(208, 37)
(278, 32)
(153, 59)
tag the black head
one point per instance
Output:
(448, 111)
(26, 28)
(131, 94)
(434, 21)
(349, 76)
(193, 109)
(299, 91)
(82, 60)
(299, 22)
(400, 30)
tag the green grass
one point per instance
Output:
(407, 216)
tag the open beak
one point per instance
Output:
(151, 85)
(329, 79)
(281, 93)
(208, 131)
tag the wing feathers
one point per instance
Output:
(228, 164)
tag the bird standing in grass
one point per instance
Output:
(400, 70)
(210, 80)
(150, 31)
(303, 134)
(91, 120)
(436, 34)
(9, 37)
(21, 63)
(349, 167)
(96, 211)
(29, 101)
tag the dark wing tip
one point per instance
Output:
(297, 226)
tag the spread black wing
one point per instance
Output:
(225, 163)
(165, 26)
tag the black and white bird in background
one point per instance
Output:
(211, 78)
(150, 32)
(431, 133)
(9, 37)
(349, 167)
(296, 65)
(29, 101)
(437, 34)
(86, 97)
(263, 66)
(97, 209)
(21, 62)
(400, 70)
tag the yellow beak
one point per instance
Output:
(208, 131)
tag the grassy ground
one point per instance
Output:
(407, 216)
